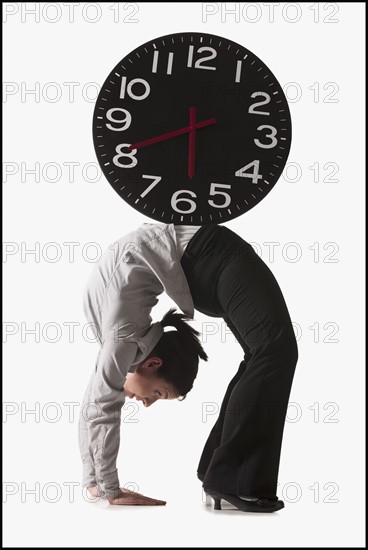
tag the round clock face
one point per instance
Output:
(192, 128)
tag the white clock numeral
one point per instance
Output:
(238, 70)
(213, 191)
(130, 155)
(271, 135)
(252, 108)
(254, 174)
(175, 199)
(169, 62)
(126, 121)
(155, 179)
(128, 88)
(198, 63)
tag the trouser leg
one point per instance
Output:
(246, 460)
(214, 438)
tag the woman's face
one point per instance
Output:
(145, 384)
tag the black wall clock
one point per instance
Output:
(192, 128)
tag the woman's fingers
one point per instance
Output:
(130, 498)
(129, 492)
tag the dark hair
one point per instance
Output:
(180, 351)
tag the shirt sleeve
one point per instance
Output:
(104, 411)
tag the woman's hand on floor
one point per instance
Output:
(129, 498)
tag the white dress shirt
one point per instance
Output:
(117, 300)
(183, 235)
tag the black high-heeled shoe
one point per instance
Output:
(260, 505)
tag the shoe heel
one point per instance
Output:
(216, 498)
(217, 503)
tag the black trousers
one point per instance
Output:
(228, 279)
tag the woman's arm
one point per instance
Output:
(103, 412)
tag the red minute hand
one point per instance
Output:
(172, 134)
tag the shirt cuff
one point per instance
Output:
(89, 477)
(108, 485)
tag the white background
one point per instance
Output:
(321, 477)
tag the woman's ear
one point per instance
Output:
(152, 363)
